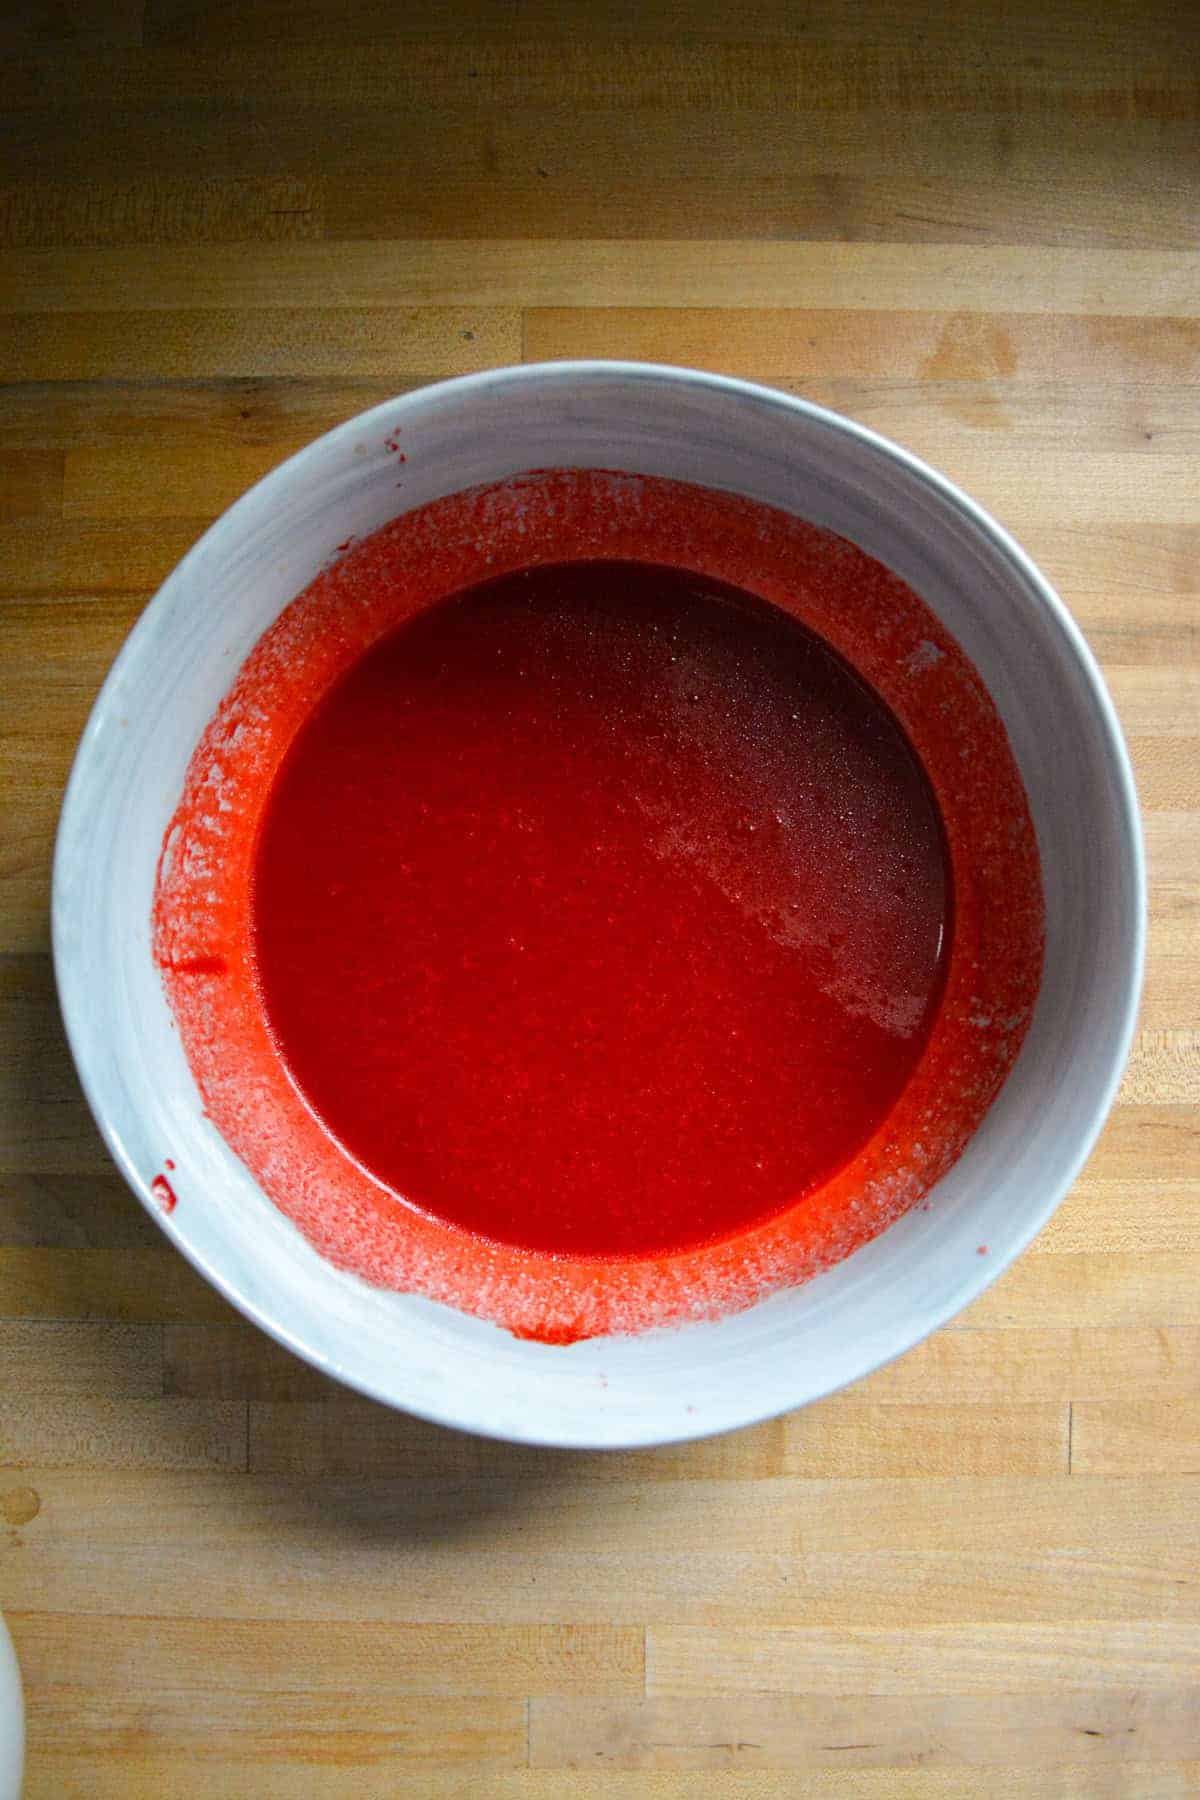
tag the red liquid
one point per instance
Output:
(163, 1192)
(601, 910)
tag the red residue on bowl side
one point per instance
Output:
(163, 1192)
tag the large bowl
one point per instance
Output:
(799, 1344)
(12, 1719)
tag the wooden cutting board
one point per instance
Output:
(974, 228)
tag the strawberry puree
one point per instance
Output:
(636, 930)
(599, 910)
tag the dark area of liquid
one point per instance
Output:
(601, 909)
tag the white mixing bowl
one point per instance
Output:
(799, 1344)
(12, 1719)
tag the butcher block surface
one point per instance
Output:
(225, 229)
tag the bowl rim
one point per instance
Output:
(979, 519)
(12, 1717)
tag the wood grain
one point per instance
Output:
(292, 1779)
(225, 229)
(922, 1659)
(766, 1731)
(856, 71)
(1111, 1438)
(361, 277)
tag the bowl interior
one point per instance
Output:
(799, 1344)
